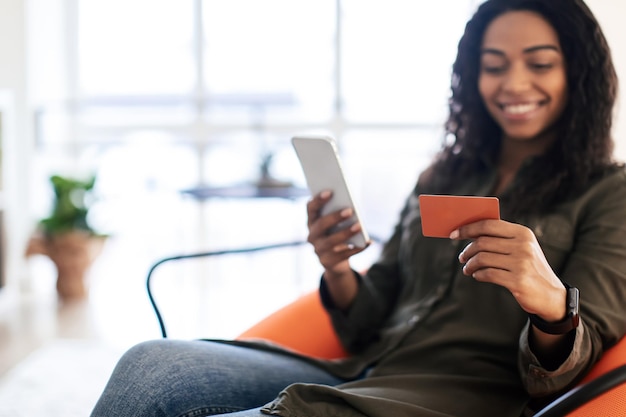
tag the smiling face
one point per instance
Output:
(523, 80)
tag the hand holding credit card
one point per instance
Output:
(442, 214)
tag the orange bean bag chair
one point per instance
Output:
(303, 326)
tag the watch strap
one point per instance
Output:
(571, 320)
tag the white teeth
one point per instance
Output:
(519, 108)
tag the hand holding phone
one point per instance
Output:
(322, 170)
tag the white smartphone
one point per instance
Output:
(322, 170)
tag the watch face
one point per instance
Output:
(573, 297)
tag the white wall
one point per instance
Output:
(17, 146)
(610, 14)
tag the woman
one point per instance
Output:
(478, 324)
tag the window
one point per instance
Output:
(210, 79)
(397, 57)
(157, 96)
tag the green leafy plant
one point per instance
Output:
(73, 198)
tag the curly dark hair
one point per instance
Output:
(584, 146)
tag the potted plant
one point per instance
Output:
(66, 236)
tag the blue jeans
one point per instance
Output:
(174, 378)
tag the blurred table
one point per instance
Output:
(252, 191)
(289, 192)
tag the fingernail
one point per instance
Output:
(325, 194)
(355, 227)
(347, 212)
(339, 248)
(454, 234)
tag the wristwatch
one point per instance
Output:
(571, 320)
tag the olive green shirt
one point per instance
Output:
(434, 342)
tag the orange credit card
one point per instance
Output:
(441, 214)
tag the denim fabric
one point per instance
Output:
(176, 378)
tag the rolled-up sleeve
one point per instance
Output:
(540, 382)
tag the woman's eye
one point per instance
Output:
(541, 66)
(493, 69)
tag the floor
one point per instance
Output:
(63, 378)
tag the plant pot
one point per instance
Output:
(73, 254)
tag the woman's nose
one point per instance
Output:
(517, 80)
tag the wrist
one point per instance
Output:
(341, 287)
(558, 307)
(336, 276)
(567, 322)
